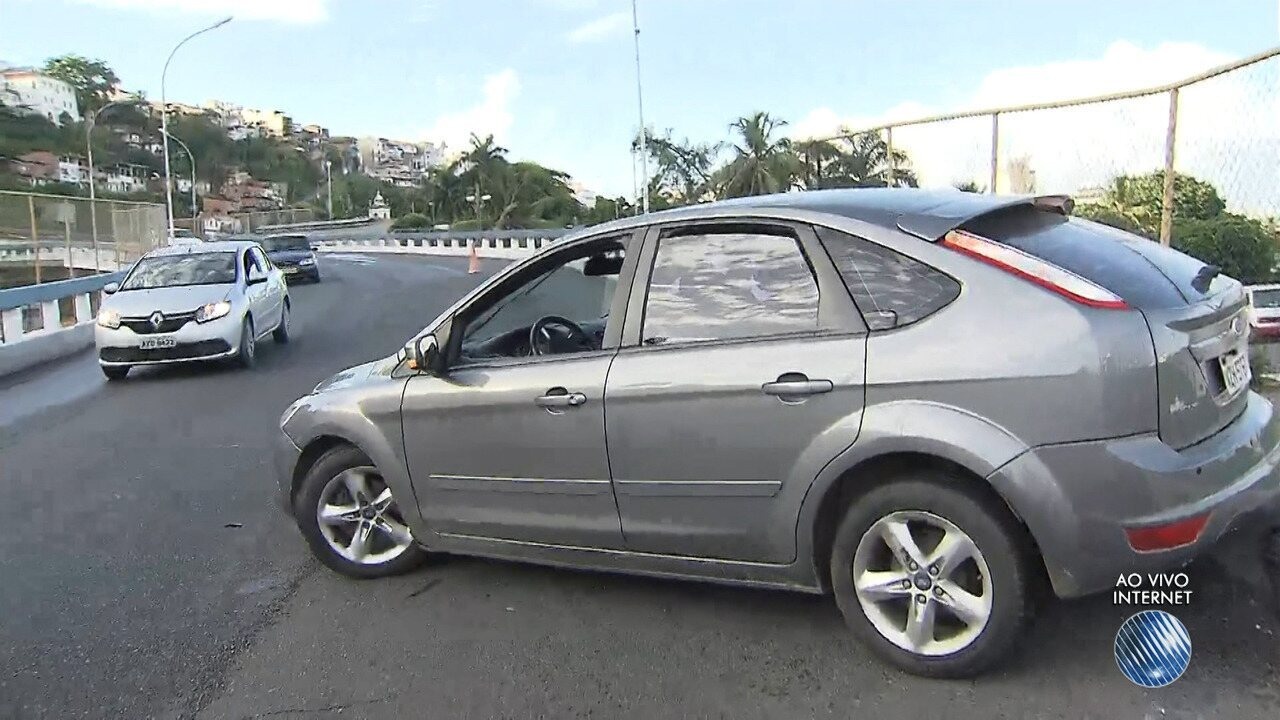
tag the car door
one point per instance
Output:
(740, 375)
(256, 293)
(276, 287)
(510, 446)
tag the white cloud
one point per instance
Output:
(600, 28)
(292, 11)
(492, 115)
(1228, 127)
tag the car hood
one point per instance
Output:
(185, 298)
(288, 256)
(360, 373)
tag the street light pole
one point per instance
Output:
(164, 116)
(477, 201)
(644, 140)
(328, 181)
(93, 196)
(192, 157)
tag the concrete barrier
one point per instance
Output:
(36, 328)
(510, 245)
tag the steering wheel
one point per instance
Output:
(553, 334)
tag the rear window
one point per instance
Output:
(1144, 273)
(890, 289)
(1266, 298)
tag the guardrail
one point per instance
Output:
(314, 225)
(508, 244)
(41, 322)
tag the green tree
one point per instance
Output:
(680, 171)
(1242, 247)
(863, 161)
(93, 80)
(969, 186)
(1141, 198)
(762, 162)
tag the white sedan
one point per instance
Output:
(192, 302)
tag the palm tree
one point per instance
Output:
(816, 157)
(762, 163)
(864, 162)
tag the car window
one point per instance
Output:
(578, 286)
(250, 262)
(725, 286)
(174, 270)
(1266, 298)
(261, 259)
(890, 289)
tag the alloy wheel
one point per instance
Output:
(930, 602)
(359, 518)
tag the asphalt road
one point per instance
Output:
(145, 573)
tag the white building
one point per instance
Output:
(379, 210)
(272, 122)
(125, 178)
(73, 169)
(38, 94)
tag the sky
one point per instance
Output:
(554, 80)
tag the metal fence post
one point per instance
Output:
(1166, 201)
(995, 151)
(35, 234)
(71, 265)
(888, 143)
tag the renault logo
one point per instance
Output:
(1235, 326)
(155, 319)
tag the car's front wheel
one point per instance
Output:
(351, 519)
(247, 354)
(115, 372)
(934, 576)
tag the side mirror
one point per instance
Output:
(420, 353)
(110, 288)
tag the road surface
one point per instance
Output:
(144, 572)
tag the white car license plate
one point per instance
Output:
(157, 343)
(1235, 371)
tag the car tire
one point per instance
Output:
(323, 474)
(115, 372)
(247, 354)
(933, 504)
(281, 333)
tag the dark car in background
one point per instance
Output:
(292, 254)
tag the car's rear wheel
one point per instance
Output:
(934, 576)
(281, 333)
(247, 354)
(351, 519)
(115, 372)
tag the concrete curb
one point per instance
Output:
(40, 348)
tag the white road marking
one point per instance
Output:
(357, 259)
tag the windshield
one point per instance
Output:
(175, 270)
(285, 242)
(1266, 298)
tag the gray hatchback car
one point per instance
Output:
(932, 405)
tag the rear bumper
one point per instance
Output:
(1078, 498)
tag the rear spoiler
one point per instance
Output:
(957, 212)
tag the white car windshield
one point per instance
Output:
(174, 270)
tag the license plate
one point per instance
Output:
(157, 343)
(291, 271)
(1235, 371)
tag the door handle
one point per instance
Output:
(796, 384)
(561, 399)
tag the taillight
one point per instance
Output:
(1030, 267)
(1167, 537)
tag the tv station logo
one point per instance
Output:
(1152, 647)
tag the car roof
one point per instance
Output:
(927, 214)
(215, 246)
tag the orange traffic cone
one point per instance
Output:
(473, 266)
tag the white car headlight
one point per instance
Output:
(213, 311)
(109, 319)
(308, 261)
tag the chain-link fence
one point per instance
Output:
(1216, 136)
(53, 237)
